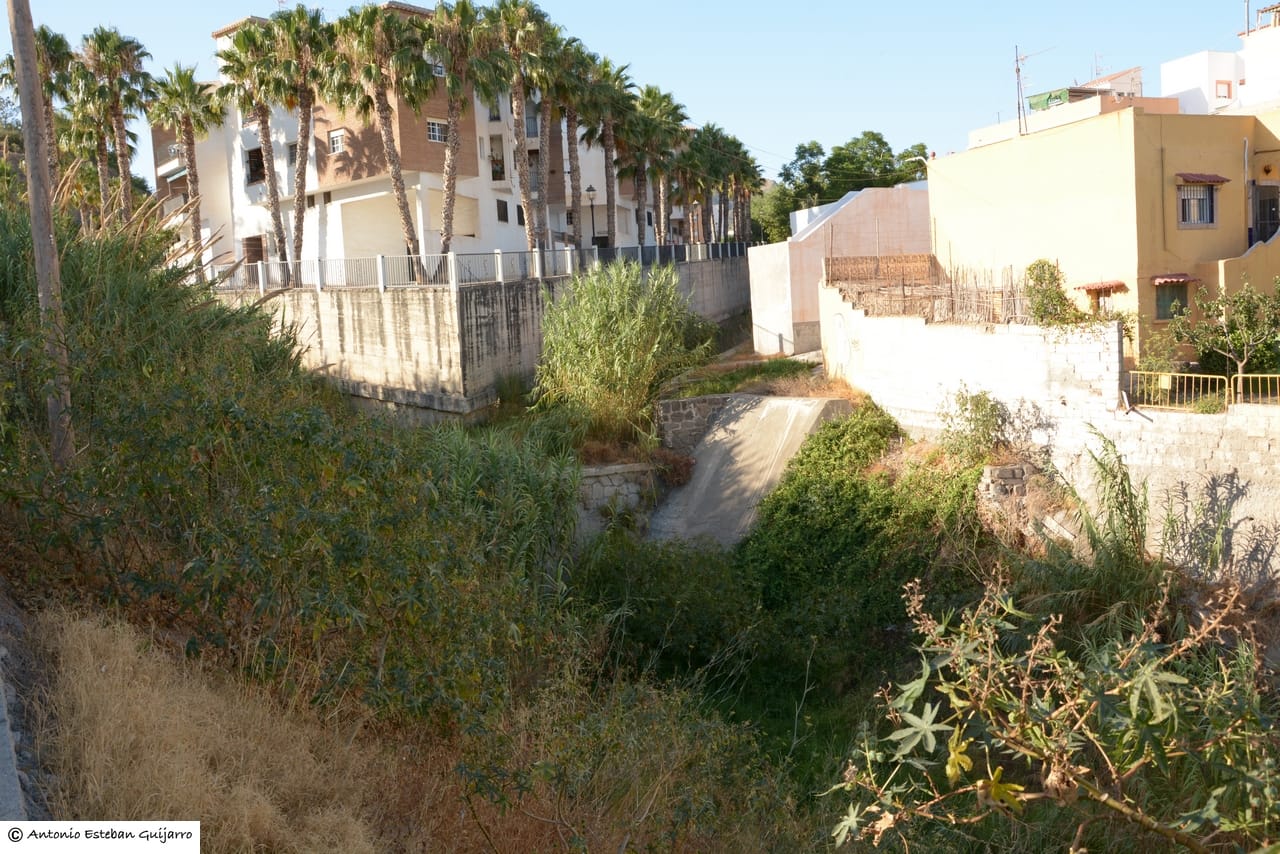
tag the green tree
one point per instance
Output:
(191, 110)
(519, 27)
(302, 42)
(607, 101)
(1238, 327)
(53, 64)
(379, 52)
(114, 61)
(462, 41)
(1047, 303)
(88, 132)
(803, 175)
(772, 212)
(571, 91)
(253, 86)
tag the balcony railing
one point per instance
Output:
(1187, 392)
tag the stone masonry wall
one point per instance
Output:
(683, 423)
(605, 490)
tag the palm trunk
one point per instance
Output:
(452, 143)
(544, 172)
(122, 160)
(664, 211)
(383, 106)
(305, 103)
(610, 184)
(522, 159)
(193, 190)
(708, 216)
(104, 177)
(273, 187)
(642, 191)
(575, 173)
(51, 132)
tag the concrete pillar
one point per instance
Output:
(319, 274)
(453, 270)
(595, 255)
(382, 272)
(497, 266)
(537, 263)
(262, 278)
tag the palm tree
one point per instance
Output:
(252, 85)
(569, 91)
(379, 52)
(53, 64)
(607, 102)
(115, 62)
(462, 42)
(542, 70)
(665, 128)
(518, 25)
(301, 41)
(191, 110)
(87, 132)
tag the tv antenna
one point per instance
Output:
(1019, 58)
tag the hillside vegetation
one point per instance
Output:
(377, 638)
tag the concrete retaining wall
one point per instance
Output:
(1061, 387)
(437, 352)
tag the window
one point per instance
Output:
(337, 141)
(1195, 205)
(648, 217)
(293, 154)
(497, 158)
(255, 168)
(437, 69)
(1223, 88)
(503, 215)
(568, 217)
(495, 112)
(1166, 297)
(252, 249)
(436, 131)
(519, 214)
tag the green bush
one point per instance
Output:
(1047, 302)
(609, 344)
(222, 491)
(975, 425)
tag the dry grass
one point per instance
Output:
(133, 732)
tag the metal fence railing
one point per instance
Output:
(399, 271)
(1256, 388)
(1188, 392)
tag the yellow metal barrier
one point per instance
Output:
(1188, 392)
(1256, 388)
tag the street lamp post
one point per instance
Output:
(591, 199)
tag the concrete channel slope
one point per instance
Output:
(738, 461)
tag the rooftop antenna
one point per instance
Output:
(1018, 59)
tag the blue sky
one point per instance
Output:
(779, 74)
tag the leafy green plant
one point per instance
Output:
(975, 425)
(727, 382)
(1241, 329)
(1047, 302)
(611, 342)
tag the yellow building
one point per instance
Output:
(1139, 209)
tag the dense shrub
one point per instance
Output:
(221, 490)
(611, 341)
(1047, 302)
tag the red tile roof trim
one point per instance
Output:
(1103, 287)
(1173, 279)
(1202, 178)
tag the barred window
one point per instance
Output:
(436, 131)
(1195, 204)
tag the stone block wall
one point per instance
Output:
(683, 423)
(607, 490)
